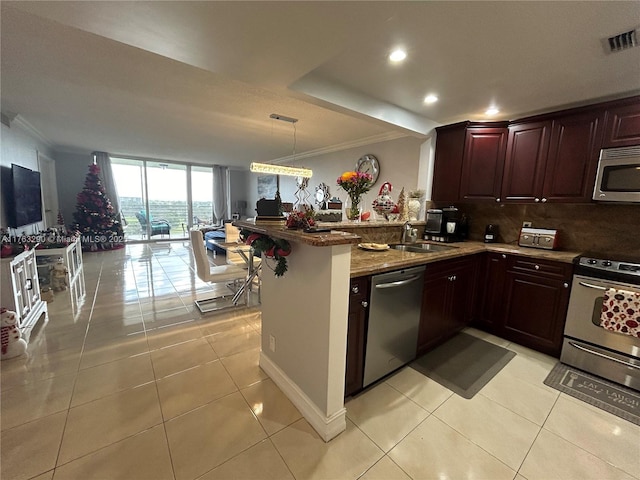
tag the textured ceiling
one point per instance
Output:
(198, 80)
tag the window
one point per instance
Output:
(160, 192)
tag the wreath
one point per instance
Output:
(275, 248)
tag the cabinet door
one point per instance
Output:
(358, 298)
(447, 169)
(435, 316)
(573, 157)
(525, 162)
(447, 302)
(491, 293)
(536, 308)
(463, 284)
(622, 124)
(483, 163)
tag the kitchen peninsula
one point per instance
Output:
(305, 312)
(304, 323)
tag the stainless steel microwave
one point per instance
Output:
(618, 177)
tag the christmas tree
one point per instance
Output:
(94, 216)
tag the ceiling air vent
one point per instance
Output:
(622, 41)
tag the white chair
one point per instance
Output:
(232, 275)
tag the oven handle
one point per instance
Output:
(580, 347)
(592, 286)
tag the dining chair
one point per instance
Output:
(231, 275)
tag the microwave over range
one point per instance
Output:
(618, 176)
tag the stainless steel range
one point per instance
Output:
(614, 355)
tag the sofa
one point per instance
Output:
(218, 236)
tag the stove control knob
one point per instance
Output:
(592, 261)
(606, 263)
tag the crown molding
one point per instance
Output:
(339, 147)
(33, 131)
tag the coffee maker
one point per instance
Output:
(446, 225)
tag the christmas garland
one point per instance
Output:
(275, 248)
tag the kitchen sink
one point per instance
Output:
(421, 247)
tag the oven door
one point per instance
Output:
(583, 315)
(590, 347)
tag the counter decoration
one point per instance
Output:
(414, 204)
(272, 248)
(355, 184)
(302, 217)
(384, 205)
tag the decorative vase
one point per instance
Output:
(353, 208)
(413, 206)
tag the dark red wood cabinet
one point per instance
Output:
(448, 162)
(483, 162)
(358, 311)
(573, 157)
(525, 162)
(525, 300)
(447, 302)
(622, 124)
(537, 297)
(490, 297)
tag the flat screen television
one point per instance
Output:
(24, 201)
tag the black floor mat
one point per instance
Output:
(463, 364)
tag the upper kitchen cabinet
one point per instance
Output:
(483, 161)
(622, 124)
(448, 162)
(525, 162)
(573, 157)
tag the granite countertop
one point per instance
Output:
(364, 262)
(279, 230)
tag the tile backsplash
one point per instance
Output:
(589, 227)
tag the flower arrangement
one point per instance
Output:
(275, 248)
(305, 217)
(355, 184)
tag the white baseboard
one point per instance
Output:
(327, 427)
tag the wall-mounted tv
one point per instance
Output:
(24, 197)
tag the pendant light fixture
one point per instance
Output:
(282, 169)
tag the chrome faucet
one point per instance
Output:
(410, 232)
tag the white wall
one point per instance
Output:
(399, 164)
(20, 146)
(239, 190)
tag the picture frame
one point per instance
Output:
(267, 186)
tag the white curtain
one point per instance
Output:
(220, 193)
(103, 161)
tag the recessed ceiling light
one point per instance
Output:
(492, 110)
(398, 55)
(431, 98)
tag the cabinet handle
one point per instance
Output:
(498, 199)
(536, 199)
(451, 278)
(355, 289)
(504, 256)
(537, 267)
(565, 285)
(364, 303)
(544, 200)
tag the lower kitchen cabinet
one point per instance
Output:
(525, 300)
(537, 297)
(448, 299)
(493, 269)
(358, 310)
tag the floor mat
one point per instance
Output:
(611, 397)
(463, 364)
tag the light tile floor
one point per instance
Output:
(139, 385)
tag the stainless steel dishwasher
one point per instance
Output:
(394, 317)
